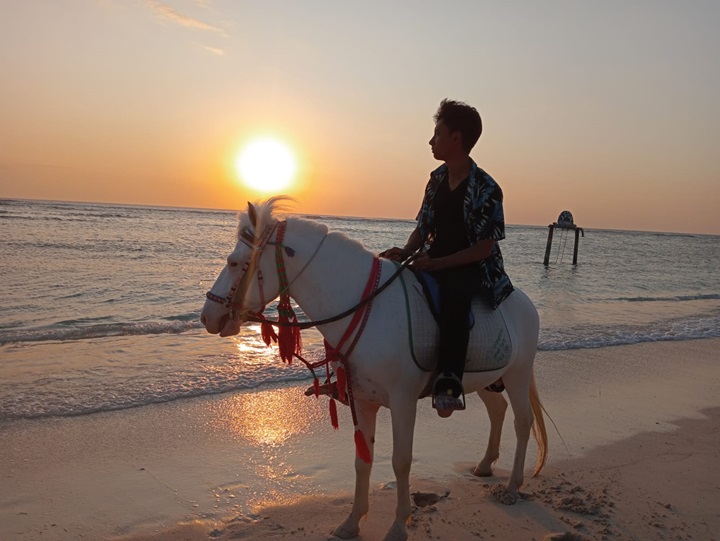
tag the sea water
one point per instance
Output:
(100, 304)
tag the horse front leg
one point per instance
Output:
(403, 413)
(367, 418)
(496, 407)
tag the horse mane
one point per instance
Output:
(266, 214)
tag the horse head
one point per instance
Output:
(247, 282)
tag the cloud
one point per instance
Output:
(170, 14)
(214, 50)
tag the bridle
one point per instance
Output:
(235, 298)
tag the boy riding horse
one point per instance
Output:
(462, 220)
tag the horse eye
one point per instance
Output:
(247, 234)
(233, 264)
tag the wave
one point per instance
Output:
(39, 411)
(51, 396)
(178, 325)
(48, 402)
(671, 298)
(596, 337)
(69, 217)
(590, 336)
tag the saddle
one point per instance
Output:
(490, 347)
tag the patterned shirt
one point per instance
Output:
(484, 220)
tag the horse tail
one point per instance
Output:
(538, 427)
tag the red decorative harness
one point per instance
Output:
(333, 354)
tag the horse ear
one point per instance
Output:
(252, 214)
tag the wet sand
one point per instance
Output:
(640, 460)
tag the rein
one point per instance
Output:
(317, 322)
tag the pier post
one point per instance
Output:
(577, 241)
(549, 245)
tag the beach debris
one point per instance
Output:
(424, 499)
(578, 505)
(563, 536)
(503, 496)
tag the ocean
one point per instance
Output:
(100, 304)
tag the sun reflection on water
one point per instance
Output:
(268, 421)
(270, 425)
(252, 348)
(269, 418)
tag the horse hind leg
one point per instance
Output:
(517, 385)
(496, 407)
(350, 528)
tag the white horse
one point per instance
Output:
(326, 275)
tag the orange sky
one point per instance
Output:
(607, 109)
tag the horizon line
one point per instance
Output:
(215, 209)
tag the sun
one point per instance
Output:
(266, 164)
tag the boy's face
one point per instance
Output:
(444, 143)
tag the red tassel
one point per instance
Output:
(285, 341)
(289, 338)
(361, 447)
(316, 386)
(341, 383)
(333, 414)
(268, 333)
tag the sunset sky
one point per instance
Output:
(609, 109)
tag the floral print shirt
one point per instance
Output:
(484, 220)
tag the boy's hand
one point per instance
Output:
(396, 254)
(422, 262)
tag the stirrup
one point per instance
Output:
(452, 397)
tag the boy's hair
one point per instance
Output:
(460, 117)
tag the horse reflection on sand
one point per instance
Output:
(326, 273)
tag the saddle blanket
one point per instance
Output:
(490, 346)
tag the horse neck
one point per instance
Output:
(333, 281)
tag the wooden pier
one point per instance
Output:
(565, 222)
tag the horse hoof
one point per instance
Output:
(346, 531)
(482, 471)
(397, 532)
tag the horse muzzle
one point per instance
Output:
(226, 324)
(229, 326)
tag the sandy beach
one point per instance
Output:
(639, 458)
